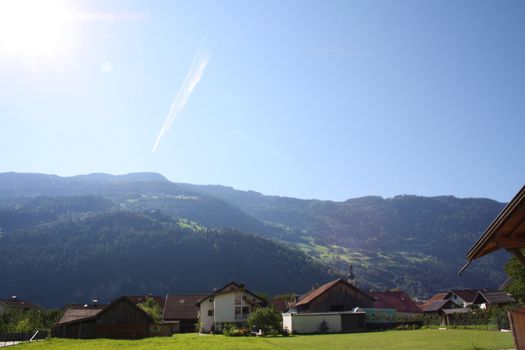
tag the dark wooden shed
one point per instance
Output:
(121, 319)
(337, 295)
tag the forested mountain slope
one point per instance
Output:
(412, 242)
(81, 257)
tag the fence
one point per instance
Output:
(11, 338)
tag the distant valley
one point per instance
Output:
(67, 239)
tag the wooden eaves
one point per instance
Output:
(507, 231)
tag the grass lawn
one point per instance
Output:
(402, 340)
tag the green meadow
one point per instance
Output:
(403, 340)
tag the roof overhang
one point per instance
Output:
(226, 289)
(507, 231)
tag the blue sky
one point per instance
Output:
(310, 99)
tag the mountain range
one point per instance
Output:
(67, 239)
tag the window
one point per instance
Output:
(238, 313)
(210, 312)
(238, 298)
(242, 310)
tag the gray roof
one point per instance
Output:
(76, 314)
(436, 305)
(493, 297)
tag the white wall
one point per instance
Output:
(206, 321)
(287, 322)
(309, 323)
(224, 305)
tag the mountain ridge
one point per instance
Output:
(411, 242)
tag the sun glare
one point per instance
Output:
(34, 27)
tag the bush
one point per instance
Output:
(151, 307)
(268, 319)
(231, 330)
(499, 315)
(28, 320)
(323, 327)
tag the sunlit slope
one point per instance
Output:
(410, 242)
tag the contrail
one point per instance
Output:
(190, 82)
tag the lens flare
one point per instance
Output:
(33, 27)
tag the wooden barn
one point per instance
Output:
(121, 319)
(338, 295)
(330, 308)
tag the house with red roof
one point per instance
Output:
(397, 300)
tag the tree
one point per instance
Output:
(267, 319)
(23, 326)
(152, 308)
(516, 271)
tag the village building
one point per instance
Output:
(397, 300)
(435, 297)
(122, 319)
(461, 297)
(337, 295)
(181, 312)
(437, 306)
(325, 322)
(448, 311)
(486, 298)
(14, 303)
(231, 304)
(330, 308)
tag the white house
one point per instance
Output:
(229, 304)
(461, 297)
